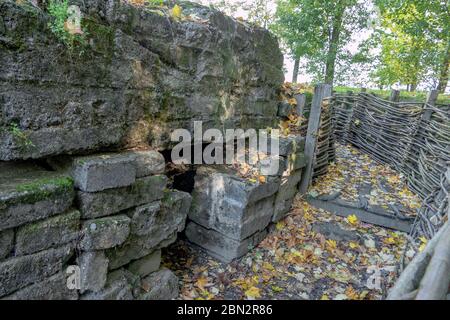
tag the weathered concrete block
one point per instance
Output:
(284, 109)
(289, 185)
(104, 233)
(93, 270)
(107, 202)
(155, 82)
(135, 248)
(335, 232)
(143, 218)
(161, 228)
(287, 145)
(219, 246)
(29, 193)
(48, 233)
(272, 165)
(160, 285)
(231, 205)
(6, 242)
(294, 162)
(147, 264)
(286, 194)
(282, 207)
(53, 288)
(159, 224)
(100, 171)
(17, 273)
(149, 163)
(116, 288)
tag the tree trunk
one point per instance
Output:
(443, 77)
(334, 44)
(295, 73)
(412, 87)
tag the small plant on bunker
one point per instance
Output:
(21, 137)
(66, 25)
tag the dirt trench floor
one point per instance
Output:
(311, 254)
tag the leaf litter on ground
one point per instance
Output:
(294, 261)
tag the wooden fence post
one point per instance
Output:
(431, 100)
(321, 91)
(301, 102)
(395, 96)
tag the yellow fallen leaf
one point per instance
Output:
(363, 294)
(394, 179)
(324, 297)
(351, 293)
(389, 240)
(423, 244)
(353, 245)
(268, 266)
(176, 11)
(352, 219)
(331, 244)
(253, 292)
(422, 247)
(201, 283)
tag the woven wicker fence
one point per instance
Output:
(411, 137)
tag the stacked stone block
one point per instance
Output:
(230, 215)
(292, 154)
(114, 230)
(127, 215)
(38, 232)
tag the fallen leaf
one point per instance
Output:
(202, 282)
(176, 11)
(352, 219)
(253, 293)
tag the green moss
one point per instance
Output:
(63, 182)
(101, 36)
(43, 188)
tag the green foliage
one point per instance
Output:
(21, 138)
(414, 37)
(154, 2)
(58, 10)
(317, 31)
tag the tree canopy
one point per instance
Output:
(318, 32)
